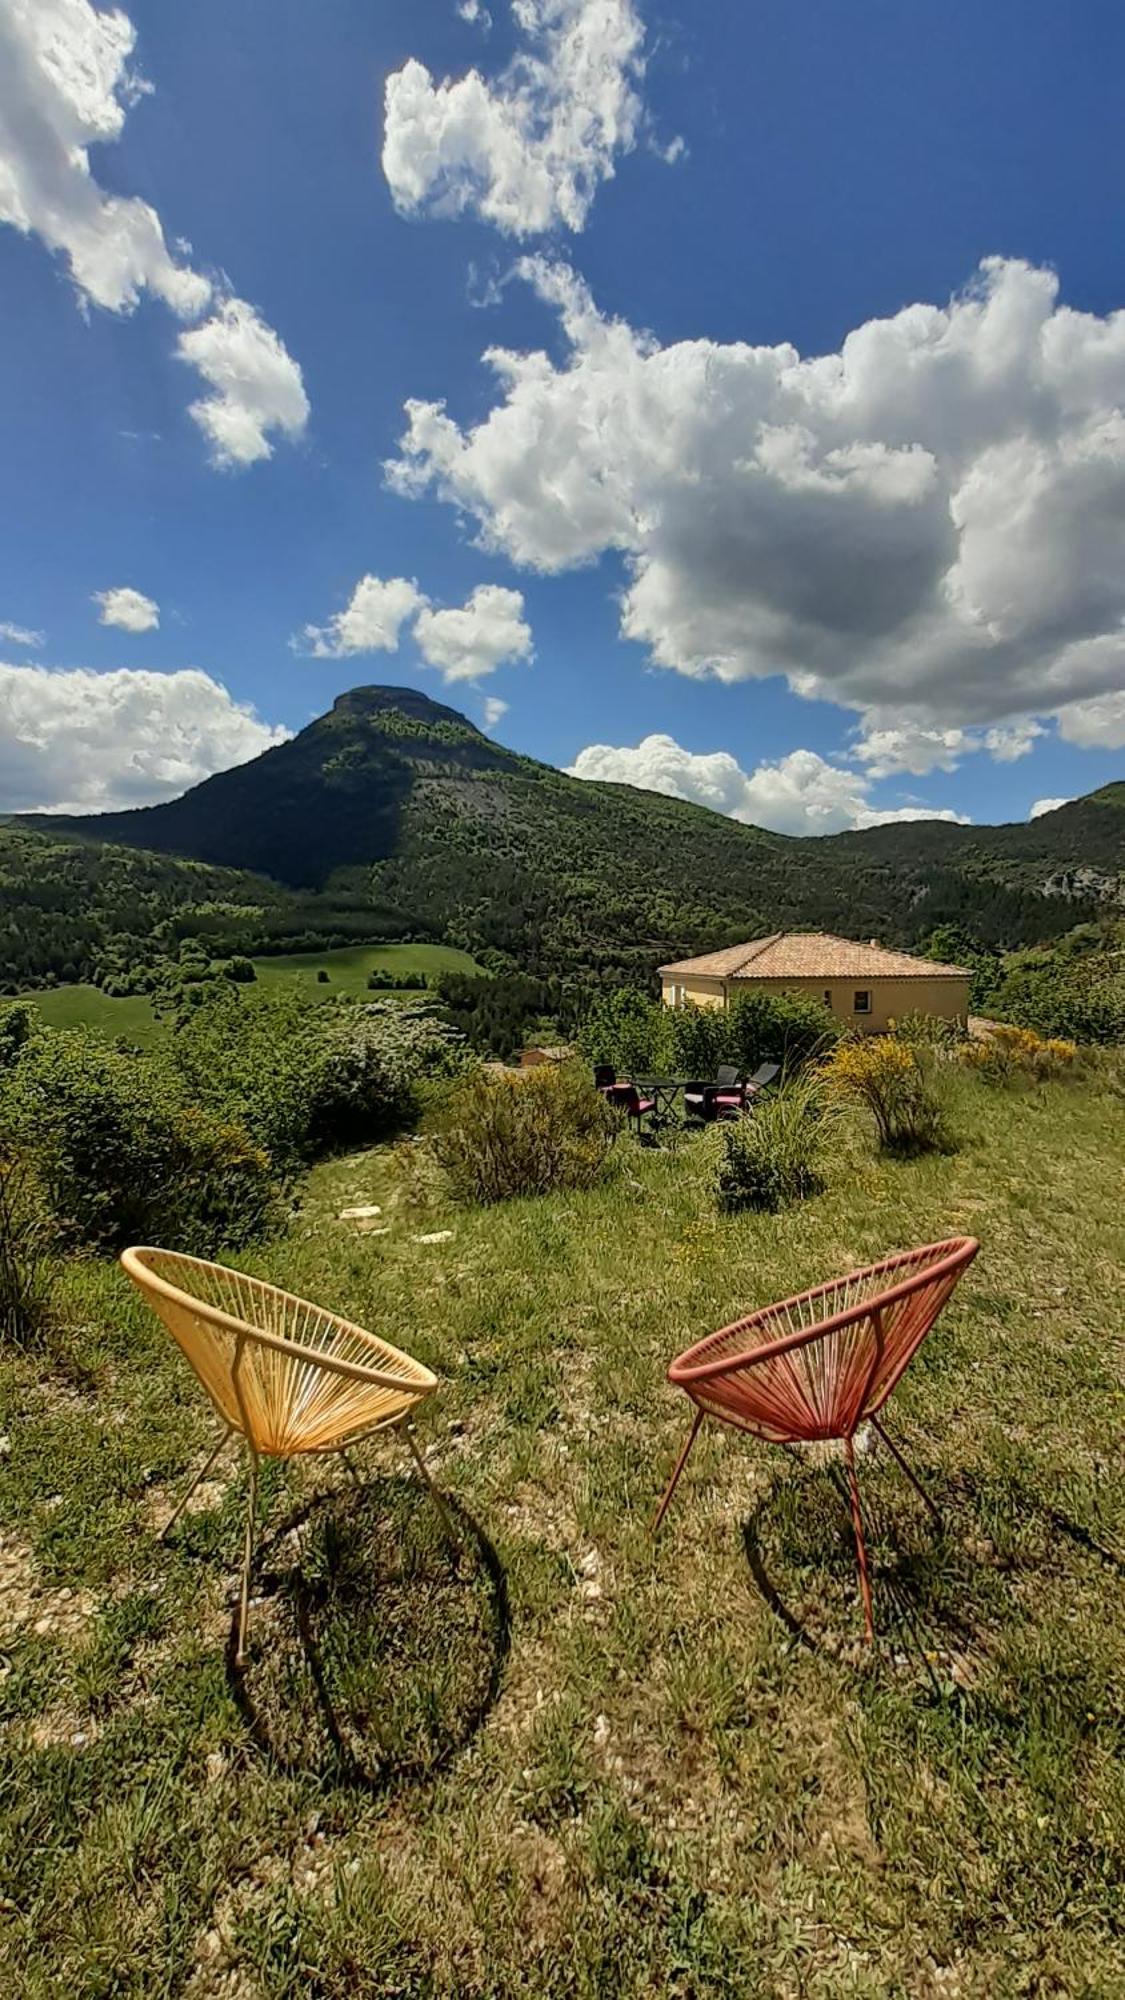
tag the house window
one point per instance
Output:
(679, 996)
(862, 1002)
(828, 996)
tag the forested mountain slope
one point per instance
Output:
(394, 812)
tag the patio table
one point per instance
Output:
(664, 1092)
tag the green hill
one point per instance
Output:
(393, 813)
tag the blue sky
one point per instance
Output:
(651, 546)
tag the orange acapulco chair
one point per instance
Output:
(286, 1377)
(821, 1364)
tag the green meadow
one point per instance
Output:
(132, 1019)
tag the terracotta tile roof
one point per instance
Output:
(812, 955)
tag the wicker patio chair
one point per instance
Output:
(626, 1098)
(820, 1364)
(287, 1377)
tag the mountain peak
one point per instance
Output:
(360, 702)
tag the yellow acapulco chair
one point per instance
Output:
(285, 1376)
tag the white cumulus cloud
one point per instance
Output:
(889, 746)
(1098, 724)
(67, 83)
(128, 609)
(927, 526)
(371, 622)
(21, 636)
(79, 741)
(1042, 806)
(528, 151)
(487, 631)
(494, 711)
(799, 793)
(256, 385)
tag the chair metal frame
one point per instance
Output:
(823, 1363)
(282, 1397)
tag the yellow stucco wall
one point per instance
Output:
(697, 992)
(948, 999)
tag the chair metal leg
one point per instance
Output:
(189, 1490)
(248, 1553)
(904, 1467)
(425, 1472)
(675, 1479)
(860, 1545)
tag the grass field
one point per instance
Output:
(565, 1760)
(347, 969)
(88, 1007)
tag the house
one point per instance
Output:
(864, 985)
(538, 1054)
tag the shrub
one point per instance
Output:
(322, 977)
(499, 1015)
(123, 1157)
(19, 1025)
(700, 1040)
(785, 1028)
(770, 1159)
(930, 1031)
(305, 1081)
(638, 1034)
(25, 1274)
(1079, 997)
(630, 1030)
(517, 1133)
(888, 1079)
(380, 980)
(1008, 1055)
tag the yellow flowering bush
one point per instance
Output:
(888, 1079)
(1010, 1054)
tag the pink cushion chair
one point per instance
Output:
(820, 1364)
(627, 1098)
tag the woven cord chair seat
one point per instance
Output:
(290, 1376)
(818, 1365)
(285, 1376)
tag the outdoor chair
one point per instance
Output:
(695, 1099)
(605, 1076)
(714, 1100)
(286, 1377)
(728, 1098)
(765, 1074)
(627, 1098)
(821, 1364)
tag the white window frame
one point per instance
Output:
(861, 993)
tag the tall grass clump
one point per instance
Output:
(501, 1134)
(771, 1157)
(892, 1083)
